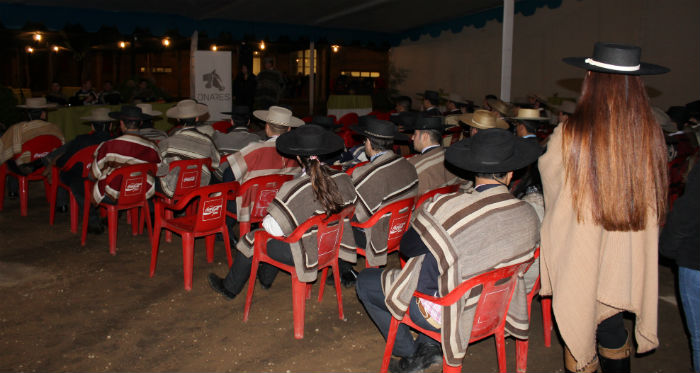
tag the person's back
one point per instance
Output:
(12, 140)
(270, 84)
(186, 143)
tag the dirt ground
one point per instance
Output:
(73, 308)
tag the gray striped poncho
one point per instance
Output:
(293, 205)
(469, 233)
(186, 143)
(389, 178)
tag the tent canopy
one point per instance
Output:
(381, 22)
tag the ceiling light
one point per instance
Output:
(122, 44)
(166, 42)
(37, 37)
(262, 45)
(30, 50)
(56, 48)
(214, 48)
(335, 48)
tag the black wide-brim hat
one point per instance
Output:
(379, 129)
(324, 121)
(493, 151)
(430, 95)
(616, 59)
(310, 139)
(426, 122)
(129, 112)
(240, 111)
(405, 119)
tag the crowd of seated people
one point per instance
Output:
(494, 217)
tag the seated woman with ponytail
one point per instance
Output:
(319, 190)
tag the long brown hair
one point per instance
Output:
(325, 189)
(615, 157)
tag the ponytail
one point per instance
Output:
(324, 187)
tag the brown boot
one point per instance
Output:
(570, 363)
(615, 359)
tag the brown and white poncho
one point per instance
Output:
(469, 233)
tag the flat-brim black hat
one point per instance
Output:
(129, 112)
(430, 95)
(238, 111)
(324, 121)
(425, 122)
(310, 139)
(405, 119)
(492, 151)
(616, 59)
(379, 129)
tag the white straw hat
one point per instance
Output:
(148, 110)
(37, 103)
(100, 114)
(187, 109)
(279, 116)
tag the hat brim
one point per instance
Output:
(174, 112)
(293, 121)
(500, 123)
(50, 105)
(539, 119)
(362, 130)
(287, 144)
(121, 116)
(644, 68)
(461, 155)
(154, 114)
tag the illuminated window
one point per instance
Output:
(157, 69)
(256, 64)
(361, 74)
(303, 61)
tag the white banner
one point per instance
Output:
(212, 76)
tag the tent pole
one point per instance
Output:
(194, 41)
(312, 76)
(507, 49)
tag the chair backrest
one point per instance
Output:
(349, 137)
(134, 182)
(190, 175)
(260, 191)
(496, 293)
(222, 126)
(41, 146)
(350, 170)
(211, 209)
(308, 119)
(83, 156)
(399, 219)
(431, 193)
(349, 119)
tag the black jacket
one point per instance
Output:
(680, 238)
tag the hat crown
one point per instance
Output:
(278, 115)
(493, 146)
(484, 118)
(35, 102)
(145, 108)
(380, 128)
(617, 54)
(101, 113)
(310, 139)
(525, 113)
(187, 108)
(322, 120)
(428, 123)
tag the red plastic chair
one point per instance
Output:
(447, 189)
(207, 220)
(350, 170)
(399, 220)
(380, 115)
(83, 156)
(308, 119)
(521, 345)
(222, 126)
(349, 119)
(38, 147)
(188, 179)
(490, 314)
(132, 196)
(335, 119)
(260, 191)
(349, 137)
(328, 236)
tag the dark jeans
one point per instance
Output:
(369, 290)
(239, 272)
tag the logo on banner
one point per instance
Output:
(213, 79)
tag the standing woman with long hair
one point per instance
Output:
(319, 190)
(605, 184)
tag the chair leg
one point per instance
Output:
(227, 244)
(338, 291)
(501, 350)
(112, 217)
(390, 339)
(322, 283)
(23, 195)
(168, 234)
(251, 286)
(521, 355)
(547, 320)
(188, 258)
(298, 306)
(210, 239)
(155, 243)
(74, 215)
(3, 180)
